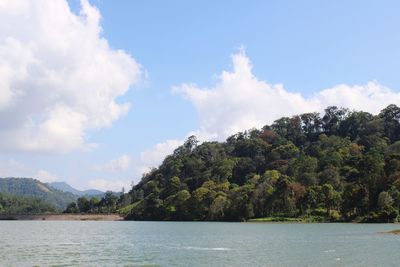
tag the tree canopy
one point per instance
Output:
(11, 204)
(341, 165)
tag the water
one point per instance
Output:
(89, 243)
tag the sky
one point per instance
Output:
(94, 93)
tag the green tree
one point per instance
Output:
(94, 203)
(391, 120)
(108, 203)
(72, 208)
(332, 198)
(332, 118)
(219, 207)
(384, 200)
(83, 204)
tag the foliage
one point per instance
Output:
(109, 203)
(340, 166)
(10, 205)
(28, 187)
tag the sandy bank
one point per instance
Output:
(393, 232)
(64, 217)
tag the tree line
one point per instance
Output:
(11, 204)
(110, 203)
(342, 165)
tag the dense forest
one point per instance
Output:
(11, 204)
(30, 196)
(111, 202)
(338, 166)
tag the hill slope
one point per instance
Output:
(342, 165)
(29, 187)
(63, 186)
(12, 204)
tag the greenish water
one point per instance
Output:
(88, 243)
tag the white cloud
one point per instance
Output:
(372, 97)
(45, 176)
(120, 164)
(137, 166)
(154, 156)
(59, 78)
(13, 168)
(240, 101)
(105, 185)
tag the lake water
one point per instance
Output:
(90, 243)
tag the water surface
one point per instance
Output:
(91, 243)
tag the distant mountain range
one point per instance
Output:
(63, 186)
(59, 194)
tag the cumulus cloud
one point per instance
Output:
(240, 101)
(59, 78)
(135, 167)
(13, 168)
(120, 164)
(372, 97)
(154, 156)
(45, 176)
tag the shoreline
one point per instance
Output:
(62, 217)
(118, 217)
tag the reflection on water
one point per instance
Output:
(89, 243)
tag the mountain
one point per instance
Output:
(339, 166)
(28, 187)
(63, 186)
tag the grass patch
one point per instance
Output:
(277, 219)
(302, 219)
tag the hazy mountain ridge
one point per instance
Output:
(63, 186)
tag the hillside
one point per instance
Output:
(67, 188)
(339, 166)
(28, 187)
(11, 204)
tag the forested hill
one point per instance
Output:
(28, 187)
(340, 165)
(12, 204)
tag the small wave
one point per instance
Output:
(329, 251)
(205, 248)
(221, 249)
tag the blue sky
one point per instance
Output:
(322, 52)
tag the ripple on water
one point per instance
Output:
(205, 248)
(195, 244)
